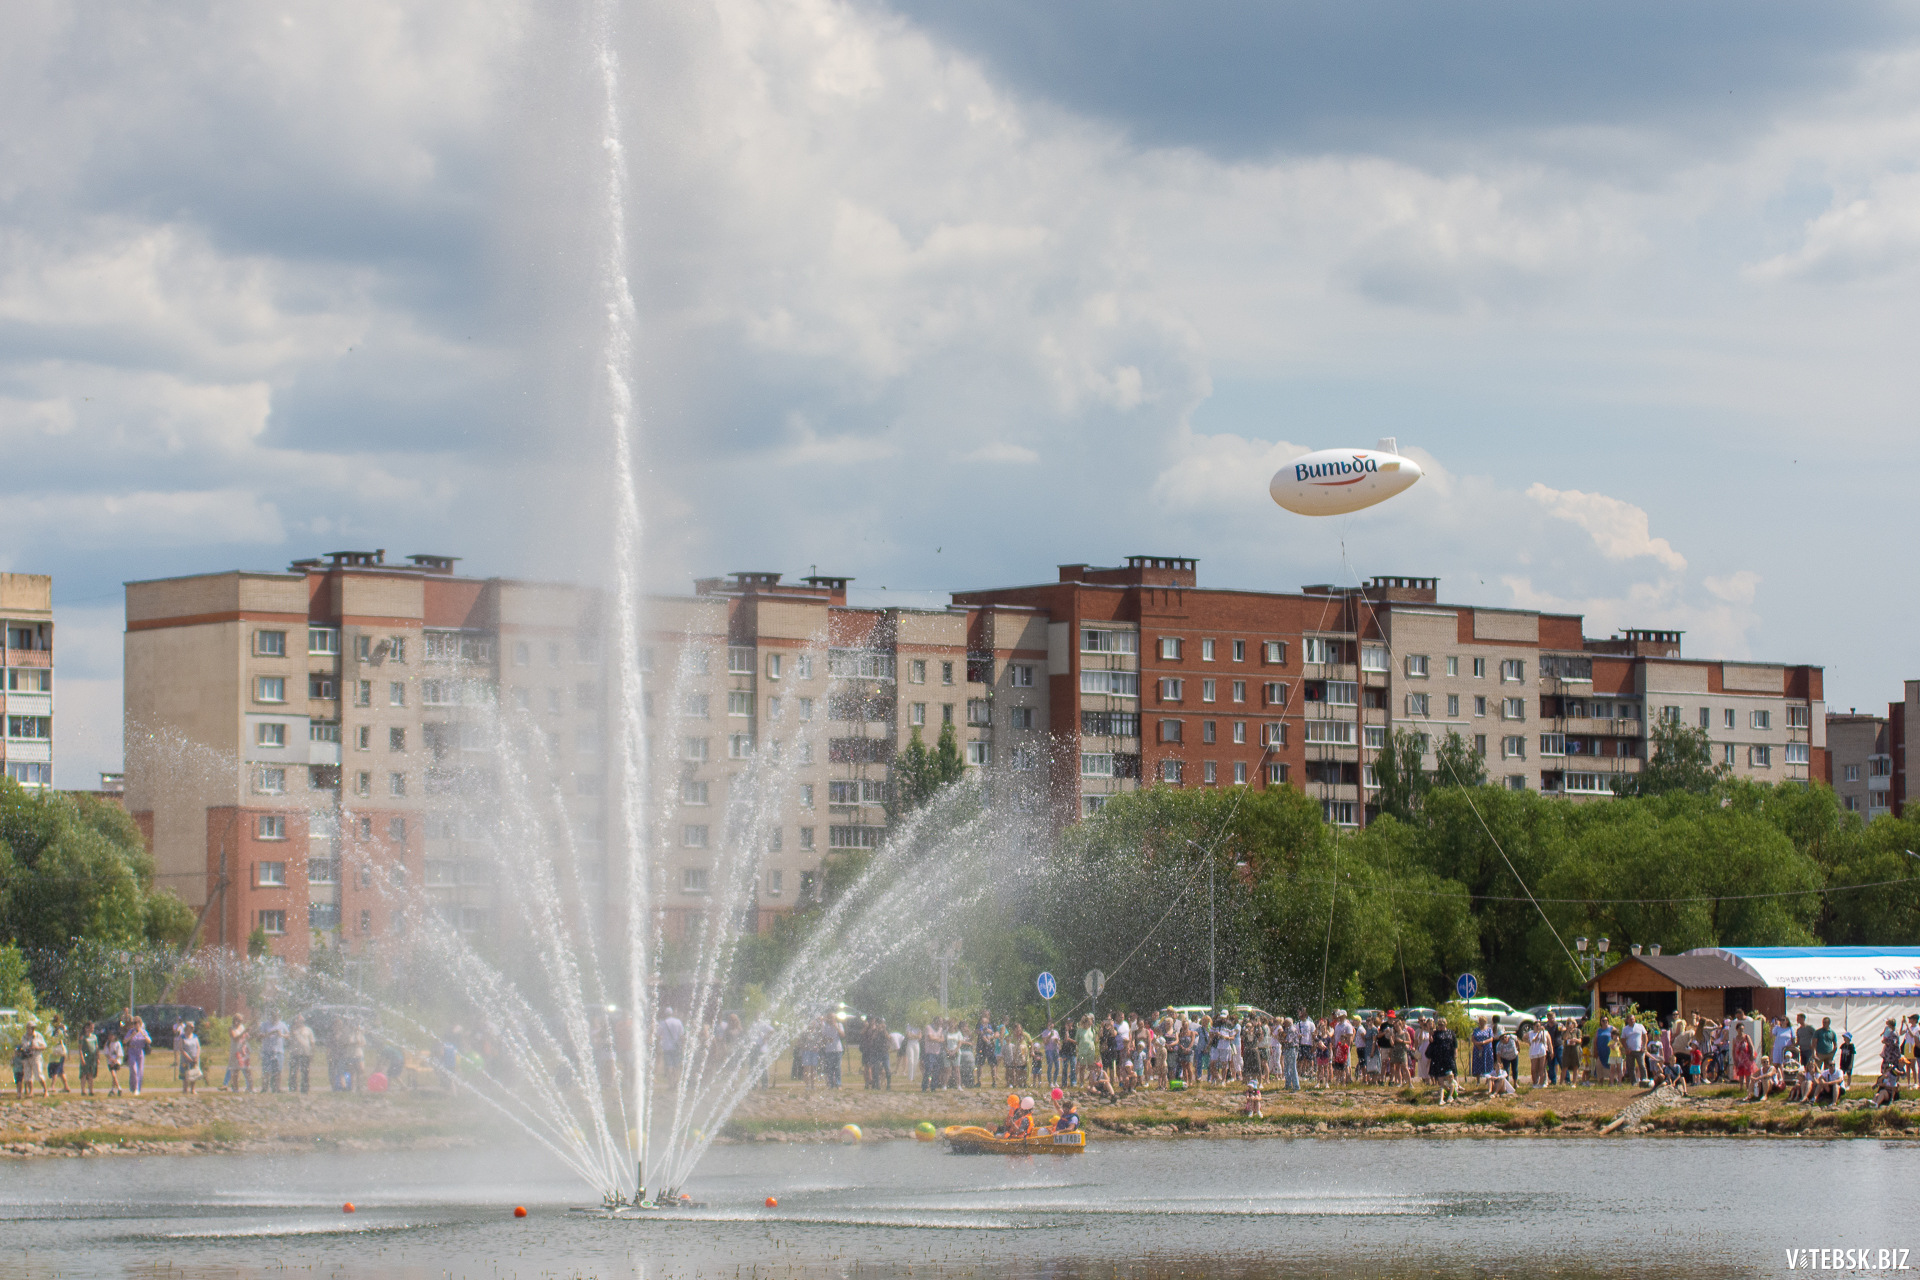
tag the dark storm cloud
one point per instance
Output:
(1242, 78)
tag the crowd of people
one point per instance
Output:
(1177, 1049)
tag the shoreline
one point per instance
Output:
(166, 1122)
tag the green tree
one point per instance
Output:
(1403, 783)
(257, 944)
(1679, 758)
(920, 774)
(1458, 764)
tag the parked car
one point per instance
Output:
(1505, 1016)
(1414, 1013)
(1560, 1012)
(1197, 1011)
(162, 1018)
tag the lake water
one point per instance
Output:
(1147, 1209)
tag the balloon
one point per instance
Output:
(925, 1132)
(1333, 482)
(1057, 1094)
(1013, 1100)
(377, 1082)
(772, 1203)
(849, 1133)
(519, 1211)
(1026, 1104)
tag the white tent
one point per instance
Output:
(1858, 987)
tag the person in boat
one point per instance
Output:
(1013, 1114)
(1068, 1121)
(1021, 1125)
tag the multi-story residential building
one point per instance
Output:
(1860, 761)
(26, 677)
(303, 744)
(1154, 679)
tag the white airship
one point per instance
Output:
(1333, 482)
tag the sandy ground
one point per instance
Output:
(165, 1121)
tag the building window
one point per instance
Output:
(1728, 754)
(1880, 767)
(1020, 676)
(1479, 668)
(1239, 691)
(273, 923)
(1453, 705)
(739, 746)
(320, 685)
(979, 713)
(1172, 690)
(946, 713)
(396, 693)
(1798, 753)
(1207, 733)
(1322, 651)
(270, 644)
(363, 693)
(1591, 784)
(1479, 705)
(1453, 666)
(917, 671)
(1553, 744)
(1319, 732)
(1760, 757)
(979, 753)
(1025, 759)
(739, 703)
(1416, 704)
(1513, 747)
(1480, 745)
(1762, 719)
(1170, 730)
(1851, 773)
(270, 689)
(1206, 651)
(1276, 652)
(946, 673)
(1210, 772)
(397, 648)
(693, 880)
(1114, 684)
(1170, 648)
(694, 750)
(1171, 771)
(1516, 782)
(1021, 717)
(803, 708)
(1513, 708)
(1097, 640)
(1512, 669)
(1240, 731)
(1337, 693)
(1706, 717)
(773, 666)
(1239, 773)
(396, 784)
(323, 640)
(1373, 737)
(1417, 665)
(693, 836)
(1373, 657)
(774, 708)
(1275, 692)
(1799, 717)
(270, 780)
(363, 783)
(739, 660)
(1339, 813)
(776, 883)
(1207, 690)
(1277, 774)
(270, 875)
(1239, 650)
(917, 713)
(396, 739)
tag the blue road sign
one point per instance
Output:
(1468, 986)
(1046, 984)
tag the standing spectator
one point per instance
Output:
(273, 1057)
(1846, 1054)
(239, 1058)
(186, 1048)
(1634, 1038)
(1441, 1049)
(671, 1032)
(933, 1048)
(116, 1055)
(832, 1047)
(57, 1058)
(136, 1043)
(299, 1055)
(89, 1058)
(1825, 1043)
(1803, 1039)
(1050, 1049)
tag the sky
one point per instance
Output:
(941, 296)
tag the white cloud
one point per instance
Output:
(1870, 236)
(1221, 470)
(1620, 529)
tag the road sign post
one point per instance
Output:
(1046, 986)
(1468, 986)
(1095, 982)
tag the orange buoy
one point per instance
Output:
(519, 1211)
(347, 1207)
(772, 1203)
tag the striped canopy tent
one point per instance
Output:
(1858, 987)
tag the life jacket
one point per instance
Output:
(1020, 1126)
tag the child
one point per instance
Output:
(1499, 1084)
(116, 1054)
(1250, 1100)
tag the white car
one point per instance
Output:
(1505, 1016)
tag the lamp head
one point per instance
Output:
(1582, 944)
(1604, 944)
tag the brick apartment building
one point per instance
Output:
(26, 678)
(1156, 680)
(300, 743)
(1867, 757)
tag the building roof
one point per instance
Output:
(1827, 971)
(1693, 971)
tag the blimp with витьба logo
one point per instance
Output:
(1333, 482)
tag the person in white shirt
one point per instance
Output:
(1537, 1044)
(1634, 1035)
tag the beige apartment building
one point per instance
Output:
(26, 678)
(310, 750)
